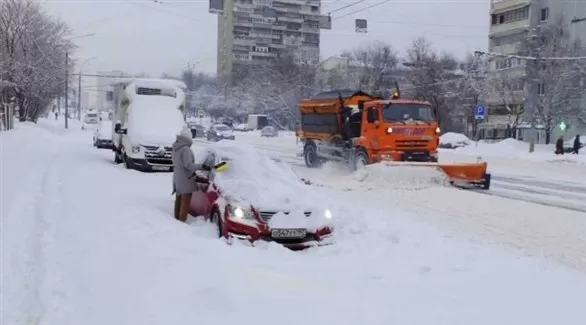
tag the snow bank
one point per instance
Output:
(512, 148)
(454, 140)
(154, 120)
(398, 176)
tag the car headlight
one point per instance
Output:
(241, 213)
(438, 130)
(328, 214)
(135, 149)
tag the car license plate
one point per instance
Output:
(288, 233)
(426, 137)
(160, 167)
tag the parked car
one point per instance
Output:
(103, 135)
(258, 198)
(197, 130)
(90, 121)
(269, 131)
(219, 132)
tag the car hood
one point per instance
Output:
(272, 196)
(227, 133)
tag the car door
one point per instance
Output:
(200, 203)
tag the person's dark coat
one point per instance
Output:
(577, 143)
(184, 166)
(559, 146)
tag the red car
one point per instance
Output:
(259, 198)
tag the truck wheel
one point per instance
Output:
(360, 160)
(310, 155)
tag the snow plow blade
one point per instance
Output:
(459, 175)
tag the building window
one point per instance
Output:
(544, 14)
(541, 89)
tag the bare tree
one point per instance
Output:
(33, 50)
(432, 77)
(373, 67)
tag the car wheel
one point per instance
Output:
(217, 220)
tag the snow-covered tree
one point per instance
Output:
(33, 49)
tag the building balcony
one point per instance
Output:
(298, 20)
(504, 5)
(242, 23)
(306, 29)
(509, 28)
(506, 49)
(294, 2)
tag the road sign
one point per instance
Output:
(480, 112)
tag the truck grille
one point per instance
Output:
(411, 144)
(267, 215)
(155, 157)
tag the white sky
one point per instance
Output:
(146, 36)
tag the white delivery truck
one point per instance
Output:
(148, 115)
(257, 121)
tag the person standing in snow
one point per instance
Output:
(559, 146)
(184, 168)
(576, 147)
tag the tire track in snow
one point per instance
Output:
(33, 308)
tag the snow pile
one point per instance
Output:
(254, 178)
(512, 148)
(399, 176)
(154, 120)
(452, 140)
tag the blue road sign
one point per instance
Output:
(480, 112)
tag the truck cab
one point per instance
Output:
(399, 130)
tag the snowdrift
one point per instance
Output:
(393, 176)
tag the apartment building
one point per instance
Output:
(513, 21)
(258, 31)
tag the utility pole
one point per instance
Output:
(66, 89)
(79, 96)
(530, 112)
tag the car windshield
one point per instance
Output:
(222, 128)
(407, 113)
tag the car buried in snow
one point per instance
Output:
(259, 198)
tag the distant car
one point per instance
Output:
(269, 131)
(243, 204)
(219, 132)
(197, 130)
(103, 135)
(90, 121)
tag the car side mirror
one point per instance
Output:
(372, 115)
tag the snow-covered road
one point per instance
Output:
(537, 215)
(85, 241)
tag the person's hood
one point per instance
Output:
(183, 140)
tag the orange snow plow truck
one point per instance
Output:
(360, 129)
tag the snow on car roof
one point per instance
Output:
(255, 178)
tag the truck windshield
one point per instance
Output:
(407, 113)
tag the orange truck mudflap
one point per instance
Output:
(471, 174)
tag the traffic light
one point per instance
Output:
(563, 126)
